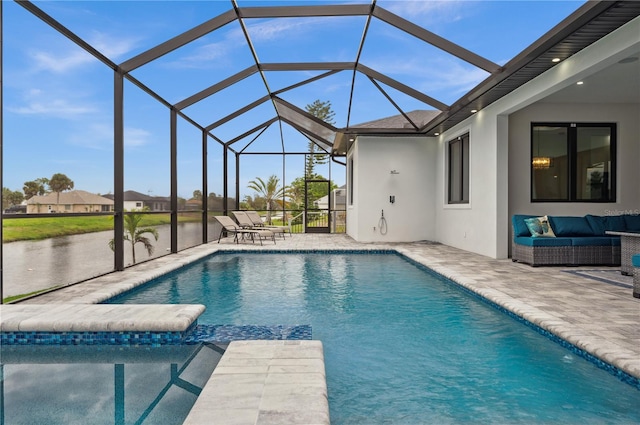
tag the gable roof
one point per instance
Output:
(132, 196)
(73, 197)
(413, 119)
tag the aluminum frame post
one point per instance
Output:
(118, 170)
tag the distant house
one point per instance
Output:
(338, 200)
(193, 204)
(74, 201)
(136, 201)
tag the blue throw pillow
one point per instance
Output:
(539, 227)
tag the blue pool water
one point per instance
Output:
(403, 345)
(95, 385)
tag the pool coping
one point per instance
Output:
(595, 346)
(74, 324)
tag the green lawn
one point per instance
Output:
(31, 229)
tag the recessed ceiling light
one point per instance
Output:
(473, 111)
(555, 60)
(580, 83)
(436, 134)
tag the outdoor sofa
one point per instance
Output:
(565, 240)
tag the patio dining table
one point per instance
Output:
(629, 245)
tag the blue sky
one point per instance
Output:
(57, 99)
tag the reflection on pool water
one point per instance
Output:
(403, 345)
(103, 384)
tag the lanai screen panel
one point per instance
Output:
(325, 134)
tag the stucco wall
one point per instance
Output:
(499, 148)
(474, 226)
(499, 163)
(627, 118)
(411, 216)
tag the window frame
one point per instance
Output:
(351, 173)
(464, 141)
(572, 153)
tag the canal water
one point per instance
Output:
(30, 266)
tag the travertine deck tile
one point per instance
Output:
(600, 318)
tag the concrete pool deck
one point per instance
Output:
(597, 317)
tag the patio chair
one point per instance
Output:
(230, 226)
(257, 222)
(246, 222)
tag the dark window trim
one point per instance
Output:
(572, 159)
(351, 181)
(464, 178)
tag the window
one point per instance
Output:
(573, 162)
(351, 181)
(458, 166)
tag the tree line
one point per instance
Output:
(41, 186)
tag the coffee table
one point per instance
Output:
(629, 245)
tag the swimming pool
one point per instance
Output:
(119, 385)
(402, 345)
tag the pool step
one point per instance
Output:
(265, 382)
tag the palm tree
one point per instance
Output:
(134, 235)
(59, 183)
(269, 191)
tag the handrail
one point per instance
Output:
(293, 218)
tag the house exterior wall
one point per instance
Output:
(62, 208)
(499, 151)
(474, 226)
(133, 205)
(411, 216)
(626, 116)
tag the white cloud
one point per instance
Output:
(436, 77)
(69, 59)
(428, 12)
(455, 78)
(59, 108)
(204, 57)
(100, 136)
(136, 137)
(62, 62)
(275, 29)
(115, 47)
(94, 136)
(40, 102)
(216, 54)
